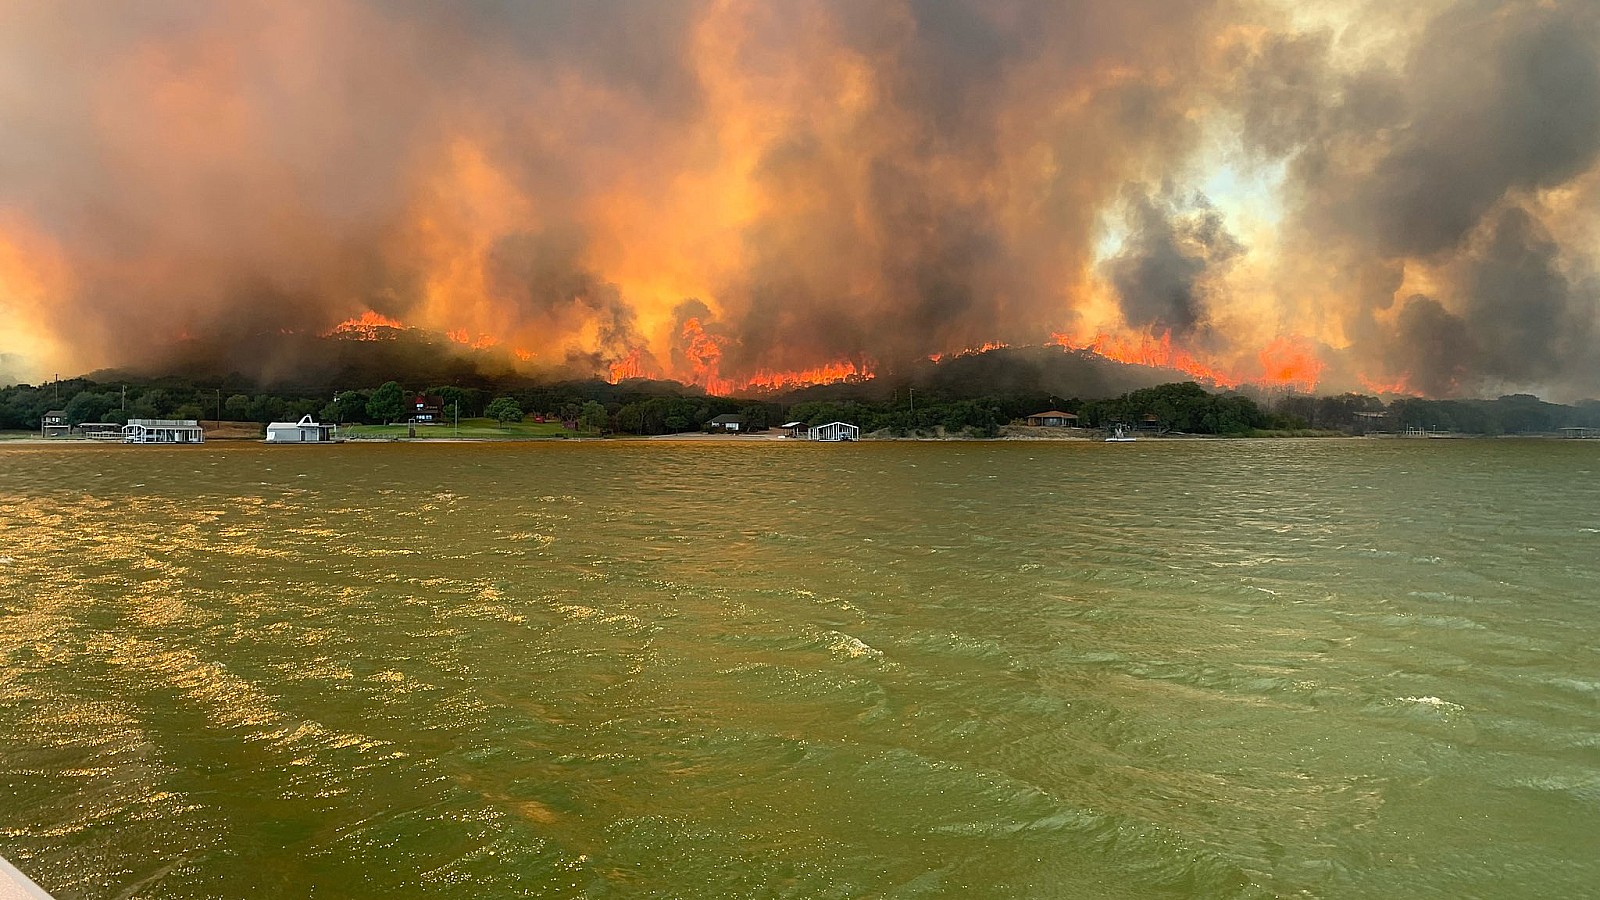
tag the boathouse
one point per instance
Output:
(836, 431)
(304, 431)
(101, 431)
(163, 431)
(1055, 418)
(796, 429)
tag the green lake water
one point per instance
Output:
(646, 669)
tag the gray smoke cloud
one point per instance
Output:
(832, 180)
(1444, 165)
(1174, 253)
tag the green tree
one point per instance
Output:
(630, 418)
(352, 407)
(236, 407)
(755, 417)
(265, 408)
(503, 410)
(592, 417)
(387, 402)
(89, 406)
(152, 404)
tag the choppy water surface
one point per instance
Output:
(1343, 669)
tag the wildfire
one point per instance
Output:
(704, 352)
(828, 374)
(1398, 386)
(1286, 362)
(1144, 350)
(1291, 362)
(970, 351)
(481, 342)
(630, 366)
(369, 326)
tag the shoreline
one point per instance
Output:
(779, 438)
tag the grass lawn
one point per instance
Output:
(470, 428)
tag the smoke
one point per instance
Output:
(1170, 260)
(712, 190)
(1448, 180)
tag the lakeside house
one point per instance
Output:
(725, 422)
(304, 431)
(54, 424)
(1372, 422)
(425, 409)
(835, 431)
(163, 431)
(1054, 418)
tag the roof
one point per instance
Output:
(57, 413)
(792, 425)
(305, 422)
(726, 418)
(831, 424)
(1055, 413)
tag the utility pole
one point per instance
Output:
(458, 418)
(219, 407)
(913, 393)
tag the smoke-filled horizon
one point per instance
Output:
(1341, 195)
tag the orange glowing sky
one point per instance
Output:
(748, 195)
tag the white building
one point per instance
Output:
(836, 431)
(304, 431)
(54, 424)
(163, 431)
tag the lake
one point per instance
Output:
(1336, 668)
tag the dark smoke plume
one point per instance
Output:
(1409, 189)
(1170, 260)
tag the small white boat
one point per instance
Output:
(1119, 435)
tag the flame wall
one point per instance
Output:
(739, 192)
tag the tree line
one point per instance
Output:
(648, 408)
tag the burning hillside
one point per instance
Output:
(746, 195)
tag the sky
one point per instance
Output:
(1371, 196)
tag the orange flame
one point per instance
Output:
(369, 326)
(522, 354)
(969, 351)
(630, 366)
(1286, 362)
(705, 356)
(1398, 386)
(481, 342)
(1144, 350)
(833, 372)
(1291, 362)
